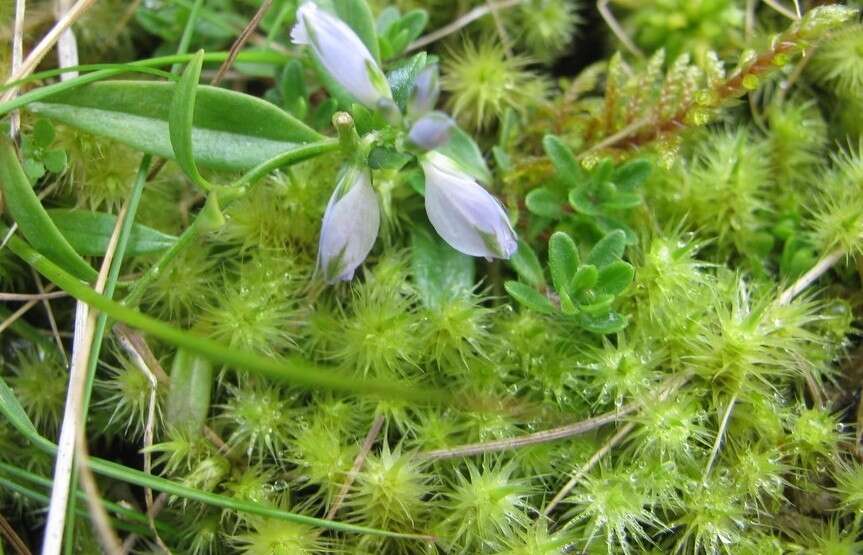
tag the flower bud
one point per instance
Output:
(350, 226)
(463, 213)
(425, 92)
(342, 54)
(431, 131)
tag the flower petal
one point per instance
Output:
(431, 131)
(425, 92)
(342, 54)
(464, 214)
(350, 226)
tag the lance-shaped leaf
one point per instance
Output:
(529, 297)
(189, 394)
(231, 131)
(563, 260)
(33, 222)
(90, 232)
(181, 120)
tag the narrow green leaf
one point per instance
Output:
(24, 329)
(181, 120)
(546, 203)
(189, 394)
(563, 260)
(293, 88)
(608, 249)
(12, 409)
(90, 232)
(529, 297)
(232, 131)
(614, 278)
(440, 272)
(33, 222)
(527, 265)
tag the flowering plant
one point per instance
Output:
(430, 276)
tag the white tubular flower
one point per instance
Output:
(463, 213)
(342, 54)
(350, 226)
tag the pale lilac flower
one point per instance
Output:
(431, 131)
(350, 226)
(463, 213)
(343, 55)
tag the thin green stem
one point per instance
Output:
(16, 417)
(102, 320)
(133, 297)
(146, 65)
(288, 158)
(277, 23)
(188, 31)
(27, 331)
(43, 499)
(119, 510)
(292, 369)
(111, 71)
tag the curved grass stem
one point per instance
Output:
(545, 436)
(810, 277)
